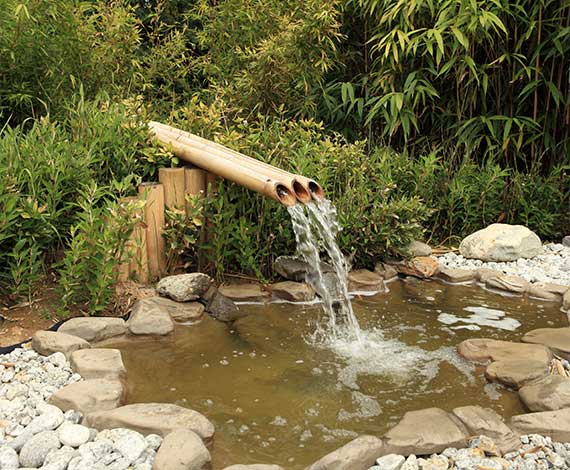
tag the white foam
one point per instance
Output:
(481, 316)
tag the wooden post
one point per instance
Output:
(173, 180)
(211, 184)
(154, 219)
(195, 180)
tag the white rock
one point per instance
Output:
(390, 462)
(129, 443)
(58, 459)
(50, 418)
(8, 458)
(73, 435)
(37, 448)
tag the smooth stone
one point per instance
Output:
(364, 280)
(184, 287)
(99, 364)
(358, 454)
(484, 274)
(89, 395)
(558, 289)
(34, 452)
(422, 267)
(485, 421)
(425, 432)
(58, 459)
(49, 342)
(484, 349)
(294, 269)
(513, 284)
(538, 292)
(292, 291)
(152, 418)
(411, 463)
(244, 292)
(73, 435)
(219, 307)
(516, 373)
(390, 462)
(557, 339)
(8, 458)
(129, 443)
(551, 393)
(385, 270)
(94, 328)
(181, 312)
(554, 424)
(182, 450)
(501, 242)
(456, 275)
(147, 318)
(49, 418)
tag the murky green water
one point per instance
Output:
(276, 399)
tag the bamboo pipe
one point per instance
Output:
(303, 187)
(228, 168)
(173, 181)
(154, 219)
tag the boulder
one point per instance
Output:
(364, 280)
(184, 287)
(387, 271)
(221, 308)
(516, 373)
(417, 248)
(294, 269)
(49, 342)
(514, 284)
(94, 328)
(425, 432)
(182, 312)
(454, 275)
(244, 292)
(292, 291)
(99, 364)
(37, 448)
(486, 422)
(152, 418)
(555, 424)
(182, 450)
(501, 242)
(358, 454)
(89, 395)
(557, 339)
(551, 393)
(483, 350)
(422, 267)
(147, 318)
(538, 292)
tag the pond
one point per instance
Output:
(276, 398)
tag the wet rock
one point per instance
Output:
(557, 339)
(179, 311)
(73, 435)
(456, 275)
(221, 308)
(244, 293)
(94, 328)
(501, 242)
(292, 291)
(484, 349)
(37, 448)
(359, 454)
(364, 280)
(558, 289)
(152, 418)
(554, 424)
(513, 284)
(182, 450)
(417, 248)
(516, 373)
(484, 274)
(255, 466)
(551, 393)
(294, 269)
(99, 364)
(537, 292)
(49, 342)
(8, 458)
(422, 267)
(184, 287)
(390, 462)
(147, 318)
(484, 421)
(332, 285)
(89, 395)
(566, 301)
(385, 270)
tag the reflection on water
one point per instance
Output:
(274, 398)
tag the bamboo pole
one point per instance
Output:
(154, 219)
(174, 187)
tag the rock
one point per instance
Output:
(89, 395)
(484, 274)
(73, 435)
(508, 283)
(557, 339)
(422, 266)
(332, 285)
(553, 288)
(364, 280)
(456, 275)
(424, 432)
(99, 364)
(49, 418)
(58, 459)
(538, 292)
(244, 293)
(554, 424)
(292, 291)
(129, 443)
(8, 458)
(94, 328)
(359, 454)
(483, 349)
(147, 318)
(417, 248)
(386, 271)
(255, 466)
(179, 311)
(49, 342)
(551, 393)
(152, 418)
(184, 287)
(516, 373)
(294, 269)
(566, 240)
(566, 301)
(484, 421)
(390, 462)
(411, 463)
(501, 242)
(34, 452)
(182, 450)
(221, 308)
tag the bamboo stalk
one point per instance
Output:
(154, 219)
(174, 187)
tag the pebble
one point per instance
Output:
(8, 458)
(73, 435)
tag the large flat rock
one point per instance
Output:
(244, 292)
(49, 342)
(425, 432)
(514, 284)
(364, 280)
(99, 364)
(254, 466)
(555, 424)
(359, 454)
(292, 291)
(422, 267)
(94, 328)
(88, 396)
(557, 339)
(456, 275)
(182, 449)
(152, 418)
(551, 393)
(149, 318)
(295, 269)
(182, 312)
(516, 373)
(484, 349)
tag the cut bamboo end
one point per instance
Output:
(154, 220)
(174, 187)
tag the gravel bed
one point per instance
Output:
(552, 266)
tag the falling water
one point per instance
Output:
(316, 226)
